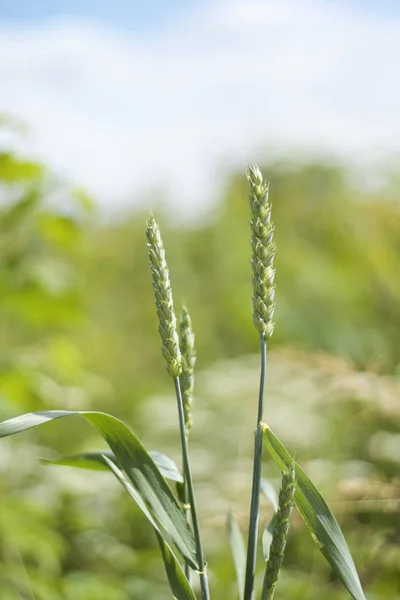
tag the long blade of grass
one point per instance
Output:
(318, 517)
(177, 580)
(137, 464)
(94, 461)
(238, 552)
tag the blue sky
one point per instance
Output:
(130, 96)
(139, 14)
(131, 15)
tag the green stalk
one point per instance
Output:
(263, 278)
(171, 351)
(186, 378)
(255, 491)
(186, 503)
(205, 594)
(188, 570)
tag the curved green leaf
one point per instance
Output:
(137, 464)
(318, 517)
(94, 461)
(178, 583)
(238, 552)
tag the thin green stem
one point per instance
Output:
(263, 346)
(188, 570)
(255, 490)
(205, 594)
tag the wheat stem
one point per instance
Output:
(255, 490)
(263, 279)
(172, 354)
(205, 594)
(188, 354)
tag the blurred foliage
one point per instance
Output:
(78, 330)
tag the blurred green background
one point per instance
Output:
(78, 331)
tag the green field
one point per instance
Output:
(79, 331)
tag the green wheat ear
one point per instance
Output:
(163, 299)
(278, 544)
(263, 247)
(188, 362)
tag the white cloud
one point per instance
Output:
(122, 113)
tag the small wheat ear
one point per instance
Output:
(278, 544)
(163, 299)
(263, 247)
(188, 354)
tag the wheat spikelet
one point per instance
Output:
(188, 354)
(263, 247)
(163, 299)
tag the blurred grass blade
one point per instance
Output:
(318, 518)
(94, 461)
(137, 464)
(267, 537)
(177, 580)
(106, 461)
(238, 552)
(166, 465)
(268, 490)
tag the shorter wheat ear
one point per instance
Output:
(279, 537)
(188, 354)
